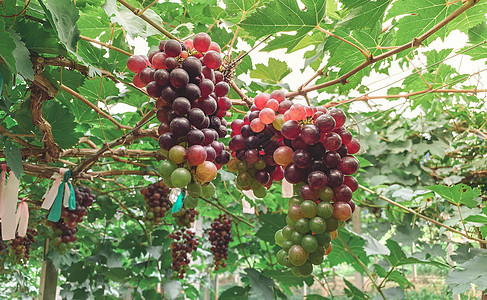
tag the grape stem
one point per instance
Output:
(241, 93)
(421, 216)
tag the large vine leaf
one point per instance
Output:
(22, 58)
(421, 17)
(457, 194)
(13, 157)
(273, 73)
(37, 38)
(7, 48)
(364, 14)
(285, 15)
(62, 123)
(65, 15)
(468, 273)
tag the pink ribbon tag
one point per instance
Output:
(22, 218)
(287, 189)
(9, 218)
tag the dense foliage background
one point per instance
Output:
(422, 131)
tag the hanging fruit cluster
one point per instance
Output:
(311, 148)
(190, 93)
(20, 246)
(66, 228)
(254, 140)
(220, 236)
(157, 201)
(182, 247)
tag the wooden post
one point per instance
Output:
(217, 283)
(48, 284)
(357, 228)
(415, 271)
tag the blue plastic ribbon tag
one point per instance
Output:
(178, 205)
(55, 213)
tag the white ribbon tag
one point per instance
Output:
(51, 195)
(287, 189)
(3, 173)
(67, 193)
(22, 218)
(9, 224)
(247, 209)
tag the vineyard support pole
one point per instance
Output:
(49, 274)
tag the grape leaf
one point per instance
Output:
(270, 224)
(457, 194)
(237, 6)
(62, 123)
(477, 219)
(64, 15)
(22, 58)
(37, 38)
(235, 292)
(286, 16)
(373, 246)
(471, 271)
(364, 14)
(273, 73)
(353, 292)
(93, 21)
(476, 35)
(261, 286)
(13, 157)
(353, 242)
(398, 257)
(7, 48)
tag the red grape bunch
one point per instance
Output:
(190, 94)
(185, 217)
(184, 243)
(220, 236)
(254, 140)
(65, 229)
(317, 159)
(157, 201)
(20, 246)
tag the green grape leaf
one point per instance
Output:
(398, 257)
(273, 73)
(468, 273)
(285, 15)
(22, 58)
(363, 14)
(270, 224)
(62, 123)
(477, 35)
(14, 158)
(64, 16)
(93, 21)
(7, 48)
(287, 278)
(353, 292)
(237, 6)
(457, 194)
(373, 246)
(37, 38)
(354, 243)
(235, 292)
(477, 219)
(261, 286)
